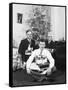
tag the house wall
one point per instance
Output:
(58, 23)
(19, 29)
(57, 15)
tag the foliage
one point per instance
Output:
(39, 21)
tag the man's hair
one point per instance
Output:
(42, 40)
(28, 31)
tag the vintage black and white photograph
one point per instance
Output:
(38, 44)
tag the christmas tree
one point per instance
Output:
(39, 22)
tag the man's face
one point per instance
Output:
(41, 44)
(29, 35)
(50, 38)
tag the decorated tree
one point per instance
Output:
(39, 22)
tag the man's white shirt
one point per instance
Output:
(45, 53)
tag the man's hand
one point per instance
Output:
(28, 71)
(44, 72)
(49, 71)
(23, 65)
